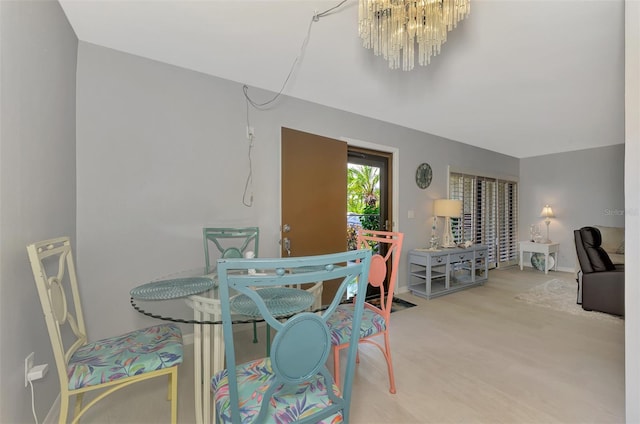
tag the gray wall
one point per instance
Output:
(584, 187)
(37, 184)
(632, 195)
(162, 152)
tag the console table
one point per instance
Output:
(544, 248)
(434, 273)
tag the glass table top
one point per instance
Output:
(174, 298)
(173, 288)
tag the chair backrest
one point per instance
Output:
(229, 243)
(55, 276)
(591, 256)
(383, 265)
(302, 343)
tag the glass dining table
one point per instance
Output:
(165, 299)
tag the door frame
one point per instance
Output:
(395, 183)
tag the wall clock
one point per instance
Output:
(423, 176)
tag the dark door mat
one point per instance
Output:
(400, 304)
(397, 304)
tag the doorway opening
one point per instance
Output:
(369, 189)
(369, 197)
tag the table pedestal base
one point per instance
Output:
(208, 354)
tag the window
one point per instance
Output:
(489, 215)
(378, 164)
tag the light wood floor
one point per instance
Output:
(475, 356)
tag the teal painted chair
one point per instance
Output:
(293, 383)
(232, 243)
(102, 366)
(229, 243)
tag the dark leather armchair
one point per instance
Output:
(600, 282)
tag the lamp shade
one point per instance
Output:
(447, 207)
(547, 212)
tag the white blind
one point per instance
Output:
(507, 203)
(489, 215)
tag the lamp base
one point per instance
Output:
(547, 221)
(447, 236)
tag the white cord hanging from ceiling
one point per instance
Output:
(247, 196)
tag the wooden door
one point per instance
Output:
(313, 196)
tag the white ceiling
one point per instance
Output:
(520, 77)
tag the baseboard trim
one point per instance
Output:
(403, 289)
(567, 269)
(52, 415)
(560, 268)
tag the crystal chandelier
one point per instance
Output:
(389, 26)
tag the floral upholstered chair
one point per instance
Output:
(377, 310)
(293, 383)
(105, 365)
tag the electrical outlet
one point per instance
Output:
(38, 372)
(28, 364)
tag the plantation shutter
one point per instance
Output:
(507, 222)
(489, 215)
(461, 188)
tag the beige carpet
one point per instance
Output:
(560, 295)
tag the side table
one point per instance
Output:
(546, 248)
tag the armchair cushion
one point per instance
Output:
(613, 242)
(592, 242)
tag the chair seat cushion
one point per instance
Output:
(254, 378)
(130, 354)
(340, 324)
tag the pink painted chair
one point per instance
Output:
(377, 310)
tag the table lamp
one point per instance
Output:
(547, 213)
(447, 209)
